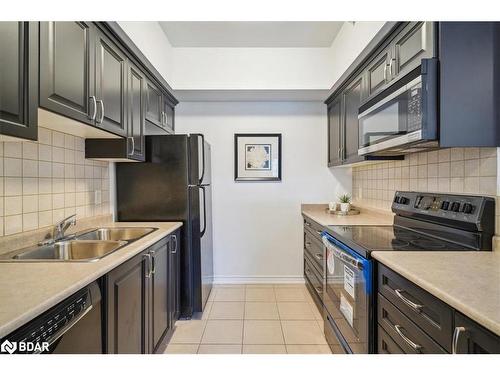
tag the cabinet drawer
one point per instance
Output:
(312, 279)
(406, 334)
(313, 227)
(316, 251)
(427, 311)
(386, 345)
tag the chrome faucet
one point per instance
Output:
(59, 230)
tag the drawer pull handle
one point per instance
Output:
(318, 256)
(456, 334)
(318, 289)
(413, 305)
(319, 232)
(414, 346)
(308, 224)
(307, 244)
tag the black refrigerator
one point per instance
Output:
(174, 185)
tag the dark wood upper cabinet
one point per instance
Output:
(351, 101)
(154, 104)
(19, 79)
(160, 292)
(334, 132)
(67, 69)
(136, 113)
(127, 308)
(110, 85)
(414, 43)
(377, 73)
(168, 115)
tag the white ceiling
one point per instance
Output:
(251, 34)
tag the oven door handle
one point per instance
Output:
(342, 255)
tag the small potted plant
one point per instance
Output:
(345, 203)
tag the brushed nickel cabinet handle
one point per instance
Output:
(456, 335)
(101, 117)
(148, 258)
(94, 113)
(414, 346)
(318, 256)
(153, 262)
(413, 305)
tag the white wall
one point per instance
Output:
(348, 44)
(149, 37)
(258, 226)
(251, 68)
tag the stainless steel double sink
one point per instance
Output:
(86, 246)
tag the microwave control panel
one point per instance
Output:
(415, 108)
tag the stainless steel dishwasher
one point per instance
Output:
(74, 326)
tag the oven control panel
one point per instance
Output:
(442, 208)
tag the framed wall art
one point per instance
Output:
(257, 157)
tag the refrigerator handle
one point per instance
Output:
(202, 156)
(202, 233)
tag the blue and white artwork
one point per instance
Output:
(258, 157)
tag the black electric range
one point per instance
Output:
(423, 222)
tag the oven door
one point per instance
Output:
(402, 115)
(347, 293)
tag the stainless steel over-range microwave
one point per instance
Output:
(404, 117)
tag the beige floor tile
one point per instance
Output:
(206, 310)
(188, 331)
(290, 285)
(321, 325)
(260, 295)
(264, 349)
(257, 285)
(290, 294)
(317, 313)
(261, 311)
(230, 295)
(182, 349)
(295, 311)
(308, 349)
(262, 332)
(219, 349)
(227, 310)
(302, 332)
(223, 332)
(221, 286)
(212, 294)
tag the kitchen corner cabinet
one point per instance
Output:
(140, 310)
(19, 79)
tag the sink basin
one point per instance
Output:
(75, 250)
(116, 234)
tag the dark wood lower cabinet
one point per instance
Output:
(127, 290)
(470, 338)
(174, 266)
(140, 308)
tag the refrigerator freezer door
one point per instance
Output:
(199, 160)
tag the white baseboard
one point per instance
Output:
(259, 280)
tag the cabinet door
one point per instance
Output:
(377, 73)
(168, 115)
(136, 113)
(67, 69)
(154, 104)
(334, 132)
(352, 99)
(160, 294)
(110, 85)
(413, 43)
(19, 79)
(174, 267)
(471, 338)
(127, 307)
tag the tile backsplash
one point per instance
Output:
(43, 182)
(453, 170)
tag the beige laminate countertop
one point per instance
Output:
(27, 288)
(467, 281)
(320, 215)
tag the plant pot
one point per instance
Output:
(345, 207)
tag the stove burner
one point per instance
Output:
(399, 243)
(427, 244)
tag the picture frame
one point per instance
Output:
(257, 157)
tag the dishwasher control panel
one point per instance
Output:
(38, 335)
